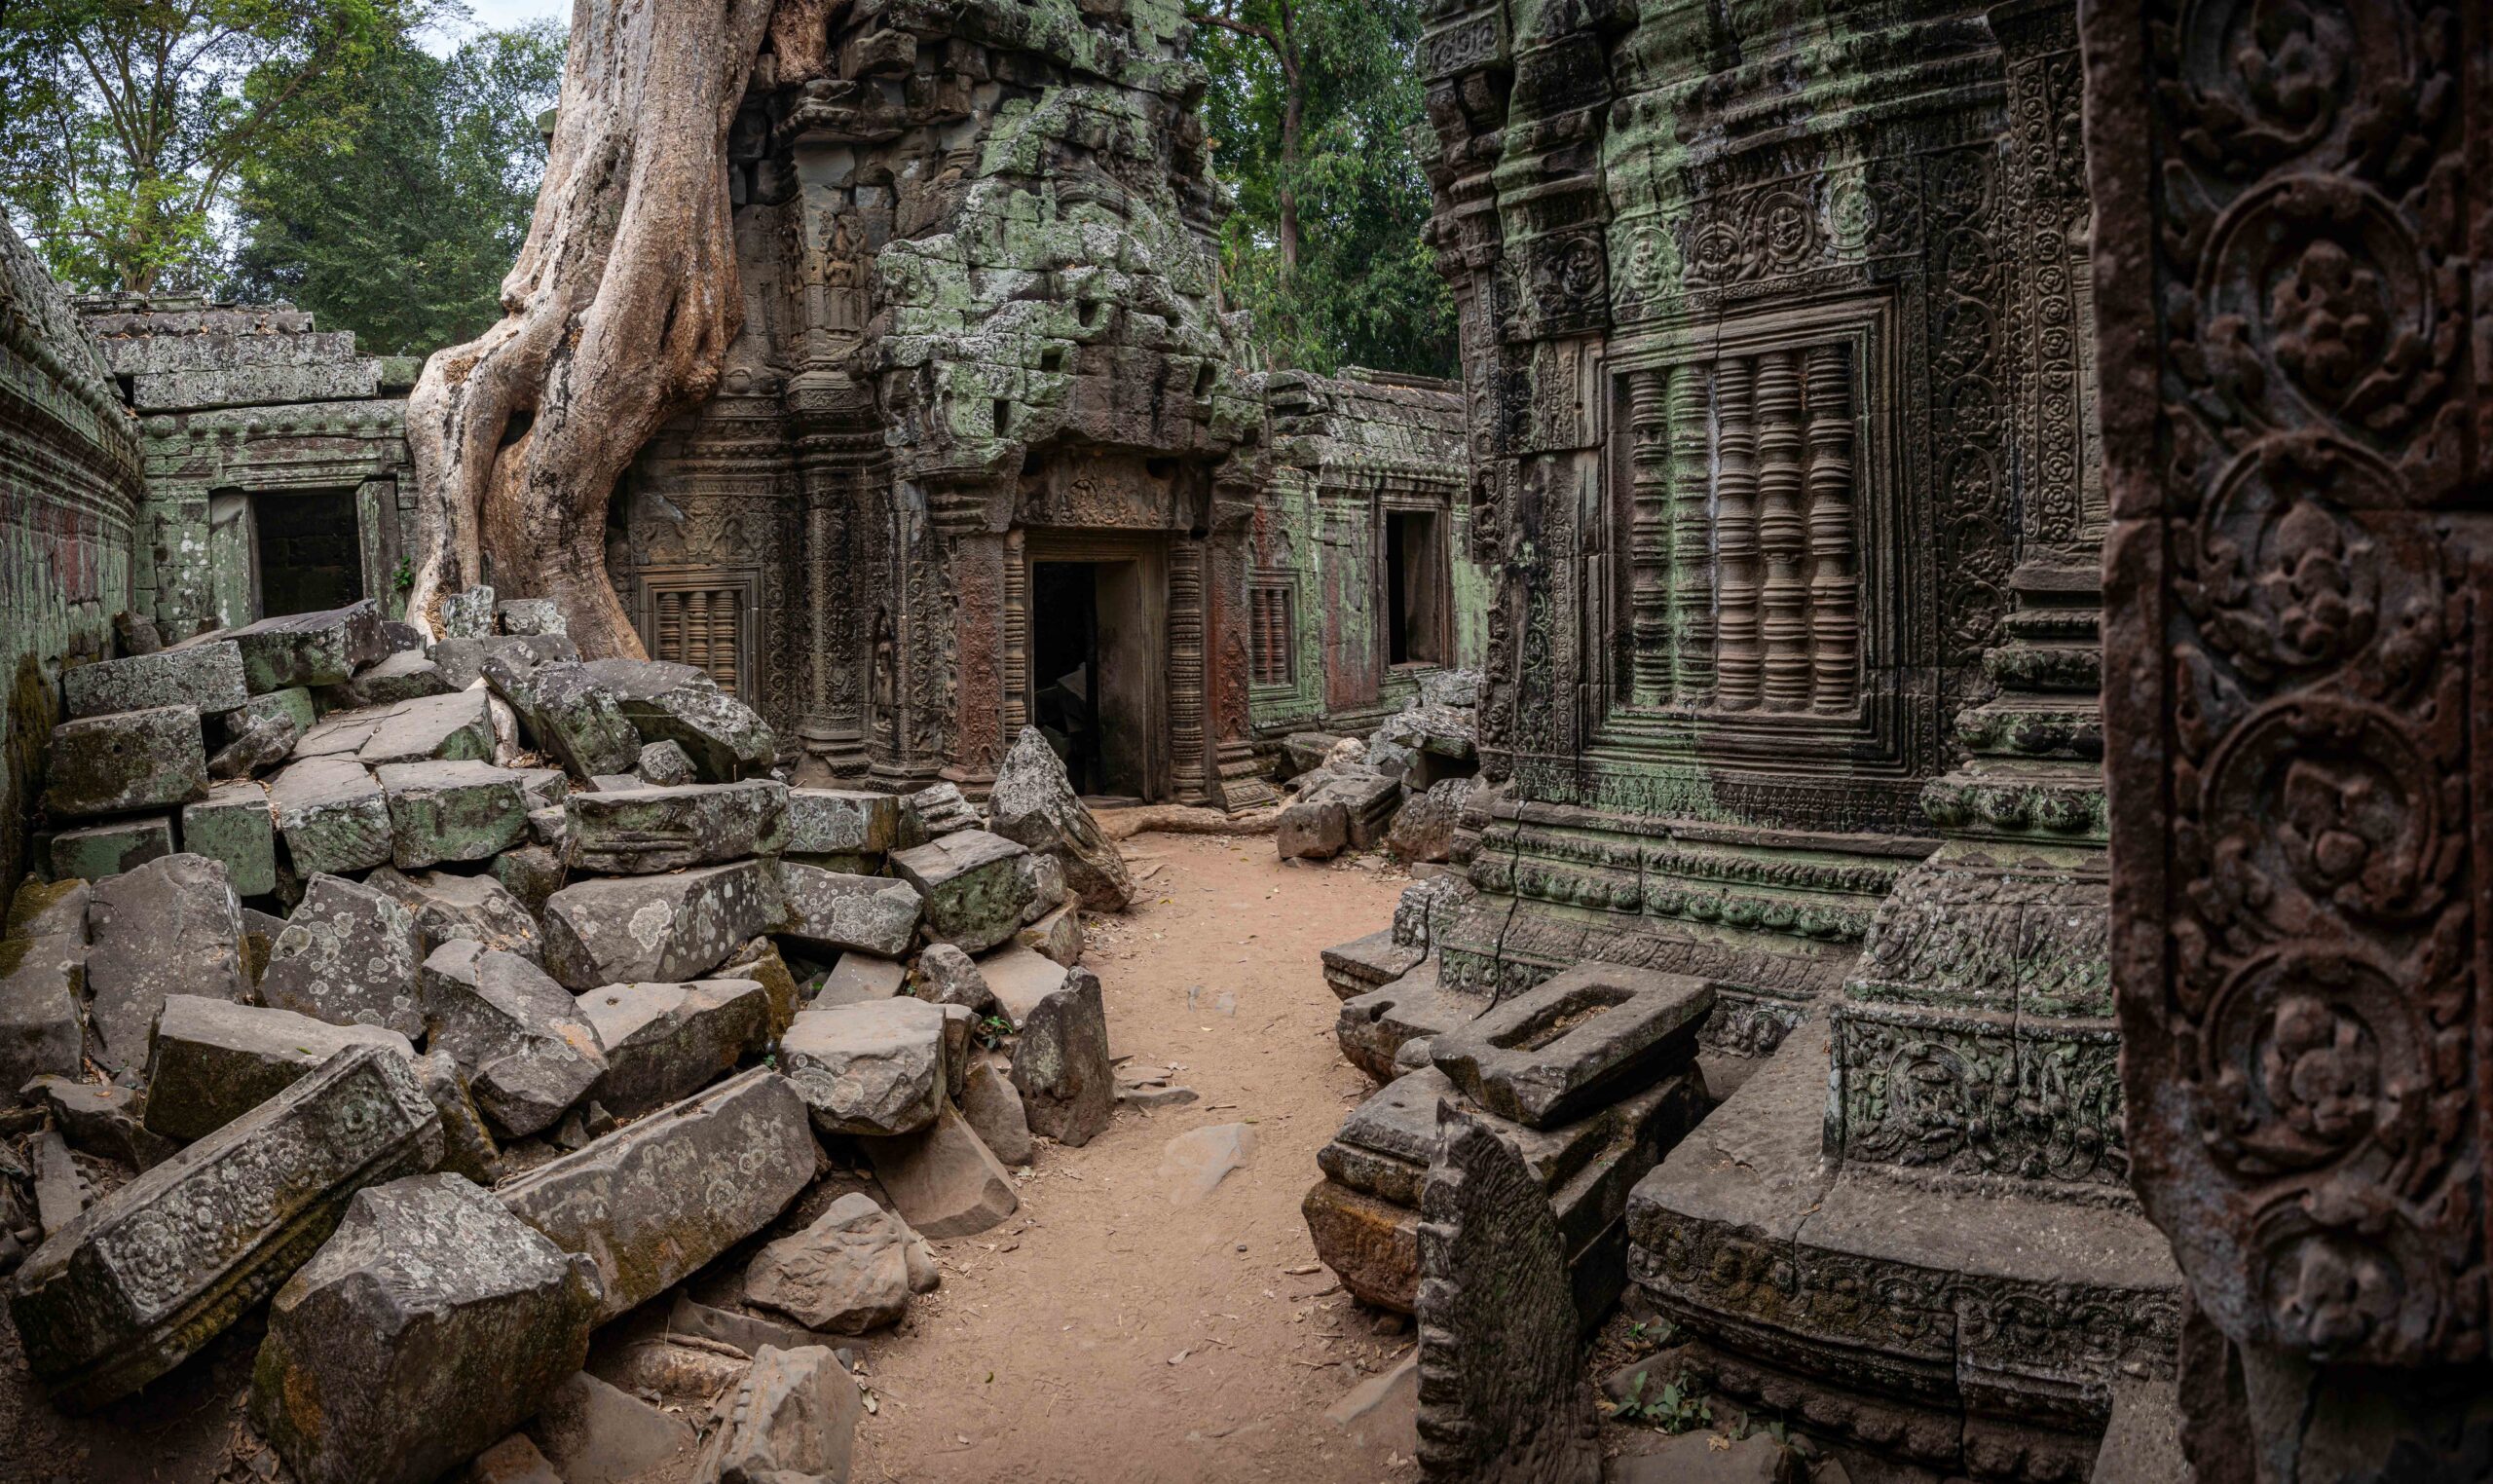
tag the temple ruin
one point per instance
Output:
(1916, 697)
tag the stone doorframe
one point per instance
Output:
(1177, 670)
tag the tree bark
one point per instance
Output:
(615, 317)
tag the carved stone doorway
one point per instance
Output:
(1097, 647)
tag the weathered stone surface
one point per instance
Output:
(60, 1190)
(995, 1113)
(1060, 1063)
(348, 955)
(664, 1042)
(1057, 935)
(666, 766)
(1374, 1029)
(943, 975)
(452, 811)
(830, 911)
(1307, 751)
(1314, 828)
(530, 615)
(658, 1199)
(533, 873)
(942, 1179)
(849, 1272)
(453, 728)
(127, 760)
(236, 825)
(515, 1459)
(405, 676)
(760, 961)
(161, 1265)
(205, 676)
(211, 1060)
(875, 1068)
(42, 909)
(311, 649)
(933, 812)
(724, 738)
(861, 976)
(449, 907)
(468, 1145)
(665, 829)
(292, 705)
(547, 788)
(463, 662)
(1502, 1393)
(527, 1050)
(468, 614)
(794, 1416)
(173, 926)
(100, 1118)
(1193, 1164)
(1368, 963)
(1555, 1053)
(1048, 891)
(1422, 828)
(595, 1433)
(841, 821)
(1020, 977)
(42, 1026)
(569, 714)
(973, 892)
(334, 817)
(256, 742)
(430, 1324)
(1033, 804)
(672, 927)
(93, 852)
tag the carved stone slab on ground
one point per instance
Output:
(1554, 1052)
(794, 1416)
(836, 912)
(211, 1061)
(665, 829)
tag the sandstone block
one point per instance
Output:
(530, 615)
(212, 1061)
(664, 765)
(947, 976)
(1048, 890)
(794, 1416)
(405, 676)
(467, 614)
(205, 676)
(164, 1264)
(1060, 1063)
(1374, 1028)
(974, 891)
(100, 1118)
(671, 927)
(596, 1433)
(526, 1049)
(42, 1026)
(569, 714)
(724, 738)
(93, 852)
(457, 726)
(348, 955)
(659, 1198)
(841, 821)
(942, 1179)
(320, 648)
(1033, 804)
(1308, 751)
(665, 829)
(173, 926)
(848, 1273)
(468, 1145)
(452, 811)
(125, 762)
(1056, 936)
(830, 910)
(1020, 977)
(996, 1115)
(875, 1068)
(463, 662)
(333, 816)
(234, 825)
(449, 907)
(1315, 828)
(512, 1461)
(430, 1324)
(664, 1042)
(532, 873)
(1582, 1038)
(42, 909)
(860, 977)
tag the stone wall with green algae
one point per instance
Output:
(69, 491)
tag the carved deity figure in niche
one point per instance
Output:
(835, 273)
(883, 694)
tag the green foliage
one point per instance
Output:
(402, 228)
(1674, 1410)
(1313, 108)
(124, 122)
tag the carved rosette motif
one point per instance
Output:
(2297, 666)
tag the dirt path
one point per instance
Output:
(1104, 1335)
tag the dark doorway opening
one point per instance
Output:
(310, 556)
(1093, 672)
(1414, 589)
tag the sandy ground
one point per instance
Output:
(1106, 1336)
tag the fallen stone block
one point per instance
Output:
(430, 1325)
(794, 1416)
(946, 975)
(851, 1271)
(348, 955)
(292, 707)
(1033, 804)
(234, 825)
(841, 821)
(320, 648)
(60, 1191)
(173, 926)
(996, 1115)
(212, 1060)
(1019, 978)
(100, 1118)
(658, 1198)
(1312, 828)
(942, 1179)
(512, 1461)
(1048, 890)
(1374, 1029)
(666, 828)
(859, 976)
(42, 909)
(664, 765)
(93, 852)
(833, 912)
(164, 1264)
(205, 675)
(1580, 1039)
(255, 744)
(530, 615)
(449, 907)
(933, 812)
(596, 1433)
(569, 715)
(457, 726)
(405, 676)
(125, 762)
(1057, 936)
(746, 1332)
(532, 873)
(1060, 1063)
(547, 788)
(974, 891)
(724, 738)
(1368, 963)
(463, 662)
(1422, 828)
(468, 1145)
(467, 614)
(671, 927)
(664, 1042)
(332, 815)
(452, 811)
(526, 1049)
(875, 1067)
(341, 734)
(1193, 1164)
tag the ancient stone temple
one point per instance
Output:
(1777, 344)
(278, 479)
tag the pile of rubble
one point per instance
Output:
(1402, 787)
(455, 1003)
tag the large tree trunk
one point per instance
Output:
(615, 318)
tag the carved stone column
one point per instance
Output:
(2293, 223)
(969, 519)
(1236, 782)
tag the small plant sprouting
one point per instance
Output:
(1673, 1410)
